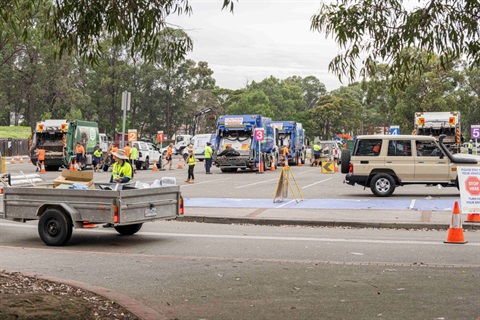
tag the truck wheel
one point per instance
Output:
(55, 227)
(345, 164)
(382, 185)
(128, 230)
(146, 164)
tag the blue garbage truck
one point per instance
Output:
(291, 134)
(236, 147)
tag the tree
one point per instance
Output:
(382, 30)
(79, 26)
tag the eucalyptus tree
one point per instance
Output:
(380, 30)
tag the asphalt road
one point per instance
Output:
(208, 271)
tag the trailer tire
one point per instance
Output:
(129, 229)
(55, 227)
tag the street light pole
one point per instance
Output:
(126, 96)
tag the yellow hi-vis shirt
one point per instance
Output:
(123, 171)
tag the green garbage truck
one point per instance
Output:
(59, 137)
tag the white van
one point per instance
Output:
(199, 142)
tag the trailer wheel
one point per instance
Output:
(55, 227)
(128, 230)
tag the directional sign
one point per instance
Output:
(475, 131)
(259, 134)
(328, 167)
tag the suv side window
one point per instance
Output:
(368, 147)
(400, 148)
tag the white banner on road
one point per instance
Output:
(469, 183)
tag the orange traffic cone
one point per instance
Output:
(260, 169)
(336, 165)
(42, 168)
(154, 165)
(455, 232)
(13, 161)
(473, 217)
(71, 166)
(180, 164)
(29, 160)
(299, 162)
(272, 167)
(74, 165)
(21, 159)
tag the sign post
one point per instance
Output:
(126, 96)
(475, 134)
(160, 138)
(469, 184)
(259, 136)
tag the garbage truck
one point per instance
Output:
(236, 148)
(437, 123)
(292, 135)
(59, 137)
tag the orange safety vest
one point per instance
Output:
(41, 154)
(79, 149)
(127, 151)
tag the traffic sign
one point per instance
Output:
(160, 136)
(328, 167)
(475, 131)
(472, 185)
(132, 135)
(259, 134)
(394, 130)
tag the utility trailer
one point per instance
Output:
(61, 210)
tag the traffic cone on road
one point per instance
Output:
(455, 232)
(71, 166)
(336, 165)
(21, 159)
(180, 164)
(13, 161)
(272, 167)
(473, 217)
(299, 162)
(260, 169)
(74, 165)
(42, 168)
(154, 165)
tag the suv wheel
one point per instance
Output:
(345, 164)
(382, 185)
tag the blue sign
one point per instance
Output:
(394, 130)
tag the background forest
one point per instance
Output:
(37, 84)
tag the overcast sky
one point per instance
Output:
(260, 39)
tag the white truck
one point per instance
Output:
(436, 123)
(61, 210)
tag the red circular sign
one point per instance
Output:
(472, 185)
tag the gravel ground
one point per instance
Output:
(23, 297)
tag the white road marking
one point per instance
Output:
(412, 204)
(270, 238)
(316, 183)
(203, 182)
(284, 204)
(252, 184)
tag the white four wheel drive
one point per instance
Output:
(384, 162)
